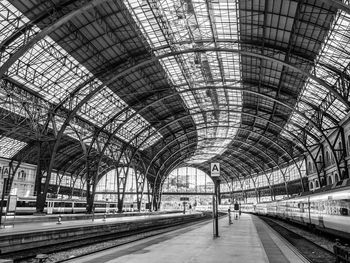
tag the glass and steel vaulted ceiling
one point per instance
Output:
(200, 77)
(258, 74)
(250, 84)
(47, 70)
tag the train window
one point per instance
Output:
(344, 211)
(26, 204)
(58, 204)
(67, 204)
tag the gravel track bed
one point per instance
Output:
(67, 254)
(316, 238)
(315, 248)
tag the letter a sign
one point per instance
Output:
(214, 169)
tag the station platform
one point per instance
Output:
(246, 240)
(10, 221)
(31, 225)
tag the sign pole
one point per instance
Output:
(215, 175)
(216, 215)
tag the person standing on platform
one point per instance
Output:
(236, 208)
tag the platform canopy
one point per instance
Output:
(160, 84)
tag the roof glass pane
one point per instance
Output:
(10, 20)
(181, 25)
(49, 70)
(10, 147)
(336, 48)
(334, 53)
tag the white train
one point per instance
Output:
(327, 211)
(27, 205)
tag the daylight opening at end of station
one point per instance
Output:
(175, 131)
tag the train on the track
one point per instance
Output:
(326, 211)
(27, 206)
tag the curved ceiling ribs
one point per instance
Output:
(277, 61)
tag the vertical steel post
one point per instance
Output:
(215, 208)
(2, 199)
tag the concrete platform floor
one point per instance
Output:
(30, 227)
(246, 240)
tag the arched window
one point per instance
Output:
(336, 177)
(311, 185)
(319, 165)
(118, 180)
(310, 167)
(188, 179)
(317, 184)
(322, 181)
(329, 180)
(343, 175)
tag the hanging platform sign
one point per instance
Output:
(214, 169)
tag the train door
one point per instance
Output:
(50, 205)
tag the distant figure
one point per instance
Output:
(229, 216)
(237, 210)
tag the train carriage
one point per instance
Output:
(328, 211)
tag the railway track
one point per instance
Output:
(76, 249)
(309, 249)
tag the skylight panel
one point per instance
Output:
(10, 147)
(49, 70)
(295, 118)
(190, 24)
(102, 107)
(293, 129)
(338, 109)
(337, 46)
(334, 53)
(10, 19)
(19, 104)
